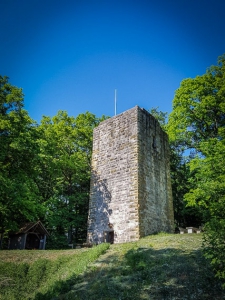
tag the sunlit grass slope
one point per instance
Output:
(163, 266)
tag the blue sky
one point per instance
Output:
(72, 55)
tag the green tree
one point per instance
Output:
(160, 116)
(44, 169)
(19, 200)
(198, 122)
(209, 177)
(198, 108)
(209, 195)
(64, 181)
(181, 175)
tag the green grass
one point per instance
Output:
(156, 267)
(42, 274)
(162, 266)
(30, 256)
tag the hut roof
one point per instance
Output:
(37, 227)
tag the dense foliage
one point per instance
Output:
(181, 175)
(198, 108)
(44, 169)
(19, 198)
(197, 122)
(65, 150)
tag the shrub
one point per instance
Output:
(214, 246)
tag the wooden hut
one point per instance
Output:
(31, 236)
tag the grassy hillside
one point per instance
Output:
(156, 267)
(40, 275)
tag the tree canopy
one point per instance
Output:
(44, 168)
(199, 108)
(18, 191)
(65, 166)
(198, 122)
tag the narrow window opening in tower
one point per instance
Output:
(154, 142)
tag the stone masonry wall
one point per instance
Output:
(114, 182)
(130, 183)
(154, 185)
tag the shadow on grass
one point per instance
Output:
(143, 273)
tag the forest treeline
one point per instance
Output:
(45, 168)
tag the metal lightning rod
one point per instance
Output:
(115, 102)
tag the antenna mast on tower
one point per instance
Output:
(115, 102)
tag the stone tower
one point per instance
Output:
(130, 194)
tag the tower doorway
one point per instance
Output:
(109, 236)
